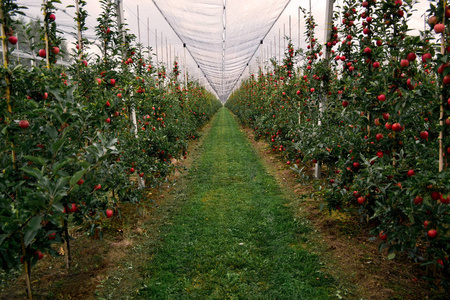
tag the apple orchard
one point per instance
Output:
(80, 140)
(375, 115)
(370, 107)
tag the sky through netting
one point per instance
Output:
(222, 35)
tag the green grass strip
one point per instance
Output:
(235, 236)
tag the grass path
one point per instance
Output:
(235, 236)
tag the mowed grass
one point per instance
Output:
(235, 236)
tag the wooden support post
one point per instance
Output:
(275, 46)
(442, 112)
(139, 27)
(120, 21)
(262, 57)
(156, 44)
(26, 267)
(279, 45)
(148, 37)
(79, 38)
(185, 68)
(299, 11)
(7, 78)
(290, 28)
(47, 48)
(328, 30)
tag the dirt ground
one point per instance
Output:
(113, 268)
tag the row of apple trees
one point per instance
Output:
(372, 107)
(76, 141)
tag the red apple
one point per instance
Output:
(380, 154)
(418, 200)
(376, 65)
(24, 124)
(445, 200)
(396, 127)
(97, 187)
(141, 175)
(382, 236)
(432, 20)
(12, 40)
(131, 170)
(424, 135)
(112, 82)
(356, 165)
(411, 56)
(109, 213)
(446, 79)
(377, 121)
(344, 103)
(72, 208)
(410, 173)
(425, 57)
(367, 50)
(108, 104)
(39, 254)
(52, 17)
(119, 95)
(425, 223)
(108, 120)
(80, 182)
(435, 195)
(386, 116)
(85, 63)
(432, 233)
(404, 63)
(52, 236)
(55, 50)
(378, 136)
(42, 53)
(439, 28)
(381, 97)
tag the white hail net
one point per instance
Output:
(221, 35)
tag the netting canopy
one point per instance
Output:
(221, 35)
